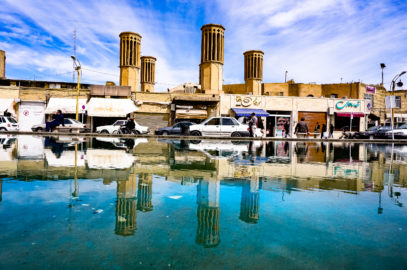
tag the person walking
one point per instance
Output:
(331, 130)
(323, 131)
(301, 129)
(316, 129)
(59, 120)
(252, 124)
(287, 129)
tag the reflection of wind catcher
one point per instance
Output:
(249, 204)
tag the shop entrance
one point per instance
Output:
(276, 123)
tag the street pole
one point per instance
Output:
(393, 86)
(285, 77)
(77, 95)
(77, 66)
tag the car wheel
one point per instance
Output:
(136, 132)
(165, 133)
(115, 132)
(3, 129)
(196, 133)
(104, 131)
(39, 129)
(236, 134)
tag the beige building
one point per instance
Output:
(130, 60)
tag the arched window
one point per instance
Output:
(310, 96)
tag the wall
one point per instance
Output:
(274, 89)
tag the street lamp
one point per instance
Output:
(393, 86)
(285, 77)
(77, 66)
(382, 66)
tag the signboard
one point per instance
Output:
(391, 102)
(342, 104)
(371, 89)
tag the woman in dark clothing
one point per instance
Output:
(323, 130)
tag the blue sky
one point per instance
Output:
(315, 41)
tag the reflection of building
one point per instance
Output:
(249, 204)
(1, 190)
(208, 213)
(126, 206)
(144, 193)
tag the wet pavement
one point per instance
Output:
(118, 203)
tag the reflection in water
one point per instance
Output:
(208, 213)
(145, 190)
(249, 205)
(372, 175)
(126, 206)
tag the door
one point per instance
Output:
(176, 129)
(227, 127)
(212, 127)
(30, 114)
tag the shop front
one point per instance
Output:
(284, 113)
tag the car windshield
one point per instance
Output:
(373, 128)
(403, 126)
(213, 122)
(76, 121)
(118, 123)
(11, 120)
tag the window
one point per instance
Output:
(281, 94)
(11, 120)
(334, 95)
(227, 122)
(310, 96)
(2, 120)
(369, 97)
(177, 125)
(213, 122)
(398, 101)
(67, 122)
(118, 123)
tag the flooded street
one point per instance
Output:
(111, 203)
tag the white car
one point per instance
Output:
(68, 122)
(8, 123)
(220, 126)
(114, 128)
(400, 132)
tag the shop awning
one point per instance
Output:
(66, 105)
(191, 114)
(110, 107)
(109, 159)
(247, 112)
(348, 114)
(399, 115)
(6, 104)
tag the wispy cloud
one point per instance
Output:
(316, 41)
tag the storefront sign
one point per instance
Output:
(247, 101)
(346, 104)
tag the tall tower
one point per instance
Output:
(130, 60)
(212, 57)
(2, 64)
(147, 73)
(253, 71)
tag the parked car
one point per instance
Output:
(114, 128)
(8, 123)
(68, 122)
(372, 132)
(175, 129)
(221, 126)
(399, 133)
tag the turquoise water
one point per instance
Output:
(202, 204)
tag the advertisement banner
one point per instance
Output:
(371, 89)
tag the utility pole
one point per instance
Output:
(74, 53)
(285, 77)
(382, 66)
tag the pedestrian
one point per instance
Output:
(287, 129)
(331, 130)
(59, 120)
(316, 129)
(323, 132)
(301, 129)
(260, 125)
(252, 124)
